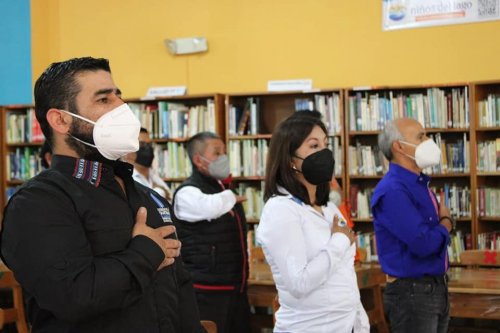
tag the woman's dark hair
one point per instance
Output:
(287, 137)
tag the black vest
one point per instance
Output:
(214, 252)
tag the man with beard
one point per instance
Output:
(93, 250)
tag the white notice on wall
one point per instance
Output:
(166, 91)
(289, 85)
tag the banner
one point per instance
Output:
(405, 14)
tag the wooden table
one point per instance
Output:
(262, 291)
(474, 293)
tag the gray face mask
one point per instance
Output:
(219, 169)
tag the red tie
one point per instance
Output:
(434, 202)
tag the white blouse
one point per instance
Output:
(313, 269)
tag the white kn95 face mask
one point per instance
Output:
(115, 133)
(427, 153)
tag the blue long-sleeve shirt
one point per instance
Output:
(410, 240)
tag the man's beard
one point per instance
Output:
(83, 131)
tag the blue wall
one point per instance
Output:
(15, 52)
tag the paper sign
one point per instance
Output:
(166, 91)
(289, 85)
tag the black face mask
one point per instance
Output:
(317, 168)
(145, 154)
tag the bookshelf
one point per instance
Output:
(444, 110)
(250, 121)
(171, 121)
(486, 173)
(21, 141)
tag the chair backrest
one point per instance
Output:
(490, 258)
(209, 326)
(16, 313)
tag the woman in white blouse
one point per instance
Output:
(310, 251)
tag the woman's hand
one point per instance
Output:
(343, 228)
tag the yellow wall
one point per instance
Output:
(336, 43)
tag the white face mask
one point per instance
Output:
(427, 153)
(219, 169)
(116, 133)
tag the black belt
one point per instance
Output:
(437, 279)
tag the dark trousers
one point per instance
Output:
(418, 305)
(230, 311)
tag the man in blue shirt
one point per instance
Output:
(412, 231)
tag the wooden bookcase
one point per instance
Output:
(159, 113)
(481, 91)
(445, 103)
(271, 109)
(26, 141)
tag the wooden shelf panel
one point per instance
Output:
(249, 178)
(170, 140)
(489, 219)
(15, 182)
(250, 137)
(487, 129)
(428, 130)
(365, 176)
(24, 144)
(488, 174)
(449, 175)
(174, 180)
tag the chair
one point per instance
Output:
(489, 258)
(209, 326)
(15, 314)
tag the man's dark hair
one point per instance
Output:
(287, 137)
(196, 145)
(58, 88)
(46, 148)
(144, 130)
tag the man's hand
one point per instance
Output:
(240, 198)
(343, 229)
(170, 247)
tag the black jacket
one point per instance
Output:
(214, 252)
(67, 236)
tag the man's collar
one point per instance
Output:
(92, 172)
(407, 175)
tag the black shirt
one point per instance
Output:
(67, 236)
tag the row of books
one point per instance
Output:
(489, 111)
(255, 199)
(10, 190)
(368, 243)
(328, 106)
(436, 108)
(459, 242)
(167, 120)
(488, 156)
(488, 202)
(243, 121)
(23, 127)
(171, 160)
(457, 199)
(488, 240)
(23, 163)
(365, 160)
(248, 157)
(455, 157)
(359, 199)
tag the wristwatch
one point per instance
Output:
(453, 222)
